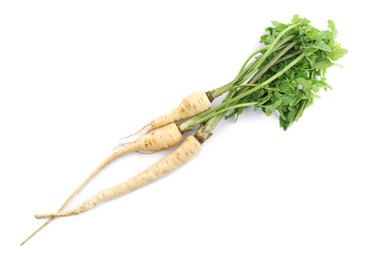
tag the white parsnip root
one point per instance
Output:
(159, 139)
(189, 106)
(162, 133)
(181, 155)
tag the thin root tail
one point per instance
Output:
(121, 146)
(121, 141)
(37, 230)
(55, 215)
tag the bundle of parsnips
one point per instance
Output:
(282, 76)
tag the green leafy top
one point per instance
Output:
(283, 76)
(288, 89)
(295, 90)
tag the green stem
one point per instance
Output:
(246, 93)
(211, 117)
(300, 110)
(205, 130)
(250, 57)
(278, 74)
(281, 43)
(255, 65)
(223, 111)
(189, 124)
(247, 85)
(271, 63)
(286, 57)
(221, 90)
(245, 73)
(271, 47)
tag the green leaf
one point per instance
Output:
(267, 39)
(313, 34)
(331, 25)
(268, 111)
(322, 63)
(304, 22)
(337, 52)
(291, 115)
(292, 108)
(296, 19)
(328, 37)
(322, 46)
(279, 26)
(300, 110)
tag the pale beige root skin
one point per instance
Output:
(159, 139)
(156, 140)
(181, 155)
(189, 107)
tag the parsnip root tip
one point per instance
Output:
(36, 231)
(55, 215)
(43, 215)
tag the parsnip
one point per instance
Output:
(181, 155)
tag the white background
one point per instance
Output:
(75, 76)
